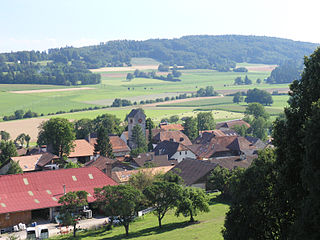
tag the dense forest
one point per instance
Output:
(69, 65)
(285, 73)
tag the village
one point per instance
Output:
(33, 196)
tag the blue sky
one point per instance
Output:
(43, 24)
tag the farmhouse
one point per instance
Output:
(82, 152)
(174, 150)
(26, 196)
(194, 172)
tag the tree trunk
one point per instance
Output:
(126, 226)
(159, 219)
(74, 230)
(191, 217)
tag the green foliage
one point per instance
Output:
(121, 103)
(120, 200)
(71, 165)
(241, 129)
(162, 196)
(103, 145)
(285, 73)
(141, 180)
(138, 139)
(253, 213)
(7, 150)
(174, 119)
(14, 168)
(58, 134)
(83, 128)
(193, 200)
(206, 92)
(4, 135)
(71, 204)
(20, 138)
(27, 138)
(205, 121)
(239, 81)
(240, 69)
(110, 122)
(238, 97)
(256, 110)
(259, 96)
(190, 128)
(172, 176)
(19, 114)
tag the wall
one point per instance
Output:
(180, 157)
(11, 219)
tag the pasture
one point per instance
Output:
(209, 226)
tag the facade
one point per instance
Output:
(135, 117)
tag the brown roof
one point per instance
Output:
(192, 170)
(124, 176)
(156, 160)
(118, 145)
(175, 136)
(27, 163)
(100, 163)
(234, 161)
(221, 144)
(169, 148)
(81, 149)
(22, 151)
(46, 158)
(154, 132)
(168, 127)
(231, 123)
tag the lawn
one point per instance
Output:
(209, 226)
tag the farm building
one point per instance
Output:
(24, 197)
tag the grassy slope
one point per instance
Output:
(209, 227)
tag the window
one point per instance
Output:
(186, 152)
(180, 153)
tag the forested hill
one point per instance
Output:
(212, 52)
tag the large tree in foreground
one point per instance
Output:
(58, 134)
(162, 196)
(121, 200)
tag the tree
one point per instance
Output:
(240, 129)
(4, 135)
(110, 122)
(18, 114)
(71, 165)
(238, 97)
(130, 76)
(150, 126)
(238, 81)
(141, 180)
(27, 138)
(139, 140)
(253, 214)
(205, 121)
(260, 96)
(72, 203)
(121, 200)
(83, 128)
(247, 81)
(14, 168)
(20, 138)
(150, 123)
(258, 81)
(162, 196)
(190, 128)
(174, 119)
(103, 145)
(58, 134)
(193, 200)
(7, 150)
(256, 110)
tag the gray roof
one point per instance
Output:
(134, 112)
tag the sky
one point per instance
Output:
(44, 24)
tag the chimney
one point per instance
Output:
(109, 169)
(64, 189)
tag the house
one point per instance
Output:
(82, 152)
(135, 117)
(232, 123)
(122, 177)
(31, 163)
(225, 146)
(173, 136)
(108, 165)
(150, 159)
(194, 172)
(171, 127)
(125, 135)
(119, 147)
(26, 196)
(174, 150)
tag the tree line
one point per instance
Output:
(171, 77)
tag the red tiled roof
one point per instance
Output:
(81, 149)
(118, 145)
(175, 136)
(37, 190)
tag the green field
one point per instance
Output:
(114, 86)
(209, 226)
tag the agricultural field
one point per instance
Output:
(114, 85)
(209, 226)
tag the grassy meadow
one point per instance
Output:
(209, 226)
(114, 85)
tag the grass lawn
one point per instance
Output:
(209, 226)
